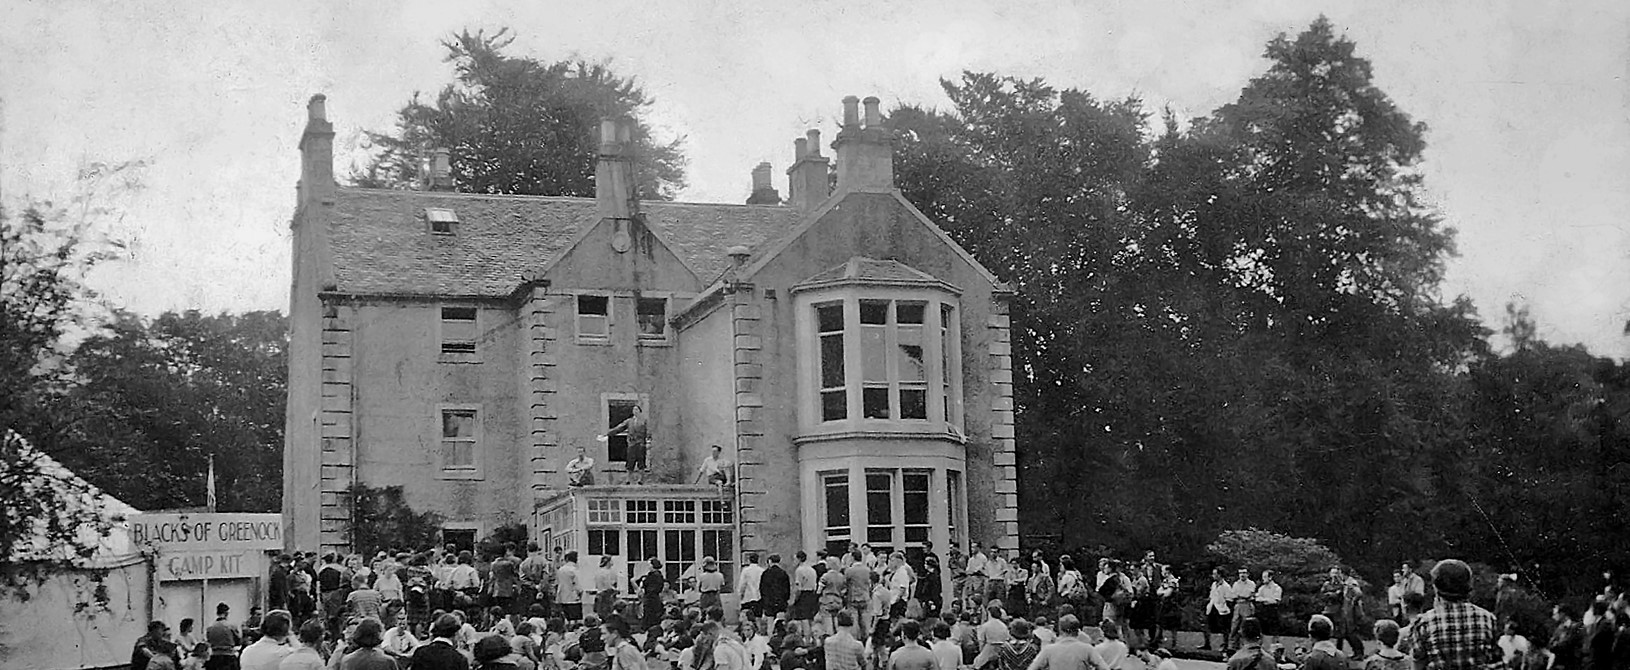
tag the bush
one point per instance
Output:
(1300, 565)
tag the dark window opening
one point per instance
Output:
(652, 314)
(618, 411)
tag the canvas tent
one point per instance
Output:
(79, 604)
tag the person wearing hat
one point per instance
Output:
(224, 640)
(1455, 633)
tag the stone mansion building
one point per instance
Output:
(851, 360)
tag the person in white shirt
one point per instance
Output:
(902, 583)
(388, 584)
(1217, 609)
(306, 656)
(399, 640)
(1395, 595)
(1044, 631)
(1112, 649)
(996, 588)
(1513, 647)
(747, 590)
(268, 652)
(1242, 599)
(568, 592)
(715, 469)
(1268, 596)
(978, 572)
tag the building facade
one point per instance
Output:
(848, 357)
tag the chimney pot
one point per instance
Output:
(625, 131)
(874, 117)
(441, 169)
(800, 148)
(317, 108)
(851, 111)
(763, 193)
(608, 134)
(814, 142)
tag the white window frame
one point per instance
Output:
(445, 356)
(475, 469)
(666, 337)
(942, 361)
(577, 318)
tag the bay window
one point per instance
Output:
(892, 358)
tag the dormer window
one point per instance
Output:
(442, 221)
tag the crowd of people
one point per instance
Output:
(855, 609)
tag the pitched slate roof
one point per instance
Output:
(381, 243)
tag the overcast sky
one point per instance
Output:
(1527, 106)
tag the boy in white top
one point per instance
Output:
(747, 588)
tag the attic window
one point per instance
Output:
(442, 221)
(593, 318)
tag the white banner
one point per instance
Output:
(207, 531)
(210, 565)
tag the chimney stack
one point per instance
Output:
(441, 169)
(865, 153)
(614, 172)
(810, 174)
(763, 192)
(317, 153)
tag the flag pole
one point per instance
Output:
(209, 498)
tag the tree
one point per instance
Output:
(154, 400)
(1227, 325)
(382, 520)
(45, 252)
(518, 125)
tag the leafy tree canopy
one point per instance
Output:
(518, 125)
(1236, 321)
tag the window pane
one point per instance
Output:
(916, 497)
(458, 423)
(875, 402)
(874, 353)
(912, 366)
(595, 305)
(460, 454)
(909, 313)
(653, 317)
(879, 508)
(829, 318)
(914, 403)
(593, 315)
(874, 312)
(458, 313)
(837, 504)
(831, 360)
(834, 405)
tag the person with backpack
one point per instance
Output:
(1072, 586)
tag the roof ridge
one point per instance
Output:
(456, 195)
